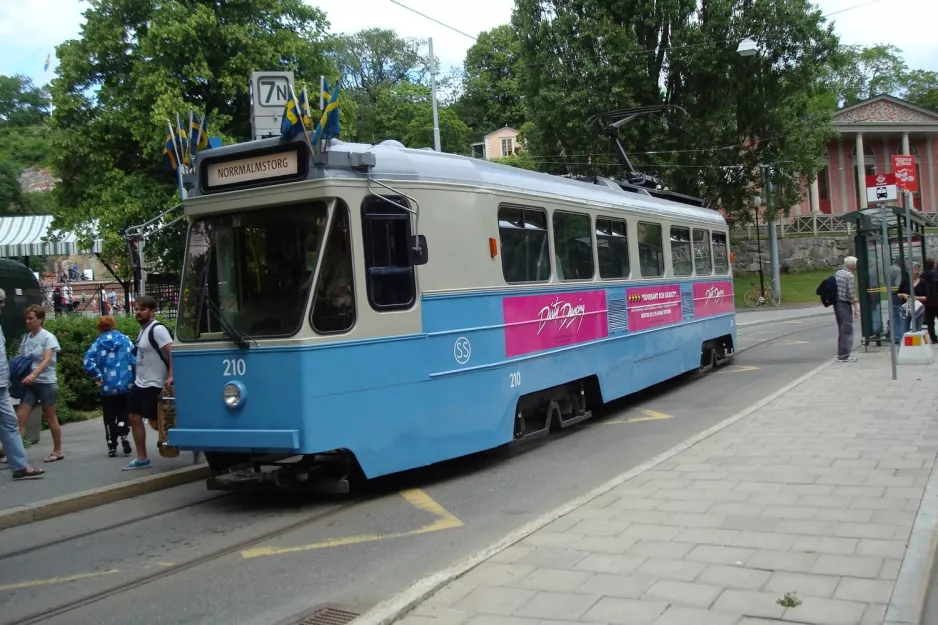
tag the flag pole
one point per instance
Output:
(172, 136)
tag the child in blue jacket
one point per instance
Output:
(110, 361)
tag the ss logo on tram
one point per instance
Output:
(234, 366)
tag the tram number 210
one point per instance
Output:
(515, 378)
(234, 366)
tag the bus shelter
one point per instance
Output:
(870, 250)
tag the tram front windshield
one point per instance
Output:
(250, 272)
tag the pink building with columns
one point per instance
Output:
(871, 132)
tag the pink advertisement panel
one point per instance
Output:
(713, 298)
(653, 306)
(537, 322)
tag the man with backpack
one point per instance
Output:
(845, 304)
(153, 352)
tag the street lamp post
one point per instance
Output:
(757, 202)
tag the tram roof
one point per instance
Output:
(395, 162)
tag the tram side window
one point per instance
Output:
(334, 303)
(681, 259)
(525, 248)
(612, 244)
(388, 270)
(702, 256)
(573, 246)
(650, 250)
(720, 257)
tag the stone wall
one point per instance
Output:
(804, 253)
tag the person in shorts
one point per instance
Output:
(154, 373)
(40, 386)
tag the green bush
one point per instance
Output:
(75, 334)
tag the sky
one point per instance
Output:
(908, 24)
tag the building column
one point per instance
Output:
(815, 196)
(887, 157)
(861, 171)
(930, 155)
(842, 170)
(905, 144)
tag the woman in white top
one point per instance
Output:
(40, 387)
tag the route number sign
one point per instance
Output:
(881, 188)
(905, 172)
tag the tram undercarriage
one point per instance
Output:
(328, 473)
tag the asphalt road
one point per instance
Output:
(156, 559)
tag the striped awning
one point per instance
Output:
(28, 235)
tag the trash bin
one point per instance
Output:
(34, 424)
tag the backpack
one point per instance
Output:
(827, 290)
(152, 344)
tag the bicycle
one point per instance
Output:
(754, 297)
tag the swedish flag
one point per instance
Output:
(169, 153)
(291, 124)
(198, 132)
(328, 126)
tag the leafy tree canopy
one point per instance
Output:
(491, 91)
(21, 103)
(138, 63)
(584, 57)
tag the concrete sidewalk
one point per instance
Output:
(800, 510)
(758, 316)
(86, 467)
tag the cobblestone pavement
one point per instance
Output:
(811, 497)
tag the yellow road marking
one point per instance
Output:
(56, 580)
(415, 497)
(650, 415)
(738, 369)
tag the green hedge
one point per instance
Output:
(76, 333)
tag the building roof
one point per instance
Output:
(885, 109)
(28, 235)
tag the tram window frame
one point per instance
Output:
(373, 212)
(706, 241)
(643, 227)
(714, 235)
(612, 259)
(514, 218)
(676, 232)
(341, 211)
(569, 245)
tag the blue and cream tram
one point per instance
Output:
(374, 308)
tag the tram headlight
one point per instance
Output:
(233, 394)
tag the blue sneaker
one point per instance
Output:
(136, 464)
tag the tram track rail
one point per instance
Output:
(106, 528)
(175, 569)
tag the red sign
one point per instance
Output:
(906, 178)
(880, 180)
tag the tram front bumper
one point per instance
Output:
(235, 440)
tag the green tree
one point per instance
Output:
(868, 71)
(584, 57)
(138, 63)
(921, 87)
(404, 112)
(491, 94)
(21, 103)
(10, 195)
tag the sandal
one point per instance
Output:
(28, 474)
(53, 458)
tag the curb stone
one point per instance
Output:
(909, 595)
(58, 506)
(397, 606)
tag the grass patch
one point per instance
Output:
(797, 288)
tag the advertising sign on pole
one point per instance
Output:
(881, 188)
(904, 168)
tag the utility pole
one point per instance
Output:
(773, 240)
(436, 119)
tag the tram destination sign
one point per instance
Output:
(252, 169)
